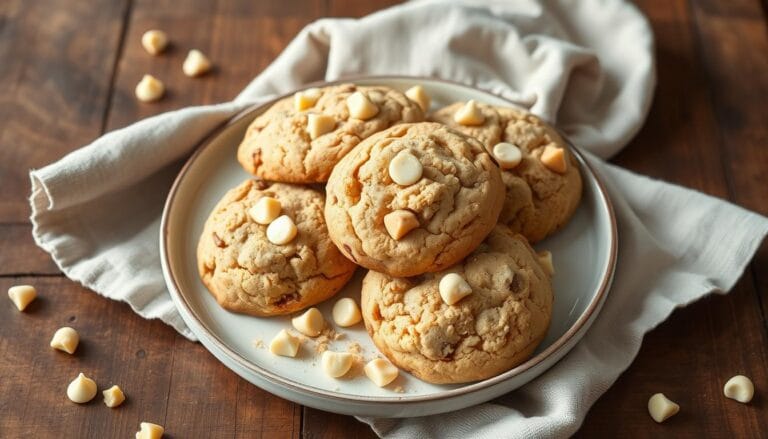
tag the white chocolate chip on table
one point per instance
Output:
(196, 64)
(469, 114)
(418, 95)
(381, 371)
(113, 396)
(336, 364)
(310, 323)
(82, 389)
(265, 210)
(739, 388)
(400, 222)
(282, 230)
(149, 89)
(453, 288)
(149, 430)
(346, 312)
(319, 124)
(661, 408)
(22, 295)
(305, 99)
(284, 344)
(553, 158)
(65, 339)
(508, 155)
(405, 169)
(154, 41)
(360, 107)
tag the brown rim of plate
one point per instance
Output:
(584, 319)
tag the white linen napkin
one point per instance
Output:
(586, 66)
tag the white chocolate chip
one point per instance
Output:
(739, 388)
(380, 371)
(319, 124)
(346, 312)
(65, 339)
(82, 389)
(507, 154)
(196, 64)
(22, 295)
(282, 230)
(453, 288)
(545, 260)
(284, 344)
(306, 98)
(405, 169)
(149, 430)
(154, 41)
(661, 408)
(149, 89)
(360, 107)
(336, 364)
(553, 158)
(400, 222)
(113, 396)
(265, 210)
(311, 323)
(418, 95)
(469, 114)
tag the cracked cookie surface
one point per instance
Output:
(456, 201)
(490, 331)
(247, 273)
(278, 147)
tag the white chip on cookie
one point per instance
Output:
(381, 371)
(265, 210)
(282, 230)
(360, 107)
(22, 295)
(739, 388)
(319, 124)
(196, 64)
(405, 169)
(310, 323)
(65, 339)
(508, 155)
(149, 89)
(418, 95)
(469, 114)
(284, 344)
(336, 364)
(400, 222)
(661, 408)
(453, 288)
(346, 312)
(82, 389)
(306, 98)
(553, 158)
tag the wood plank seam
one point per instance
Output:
(115, 64)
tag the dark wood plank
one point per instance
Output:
(319, 424)
(20, 255)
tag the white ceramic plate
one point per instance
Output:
(584, 253)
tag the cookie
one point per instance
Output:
(412, 199)
(247, 273)
(492, 329)
(488, 132)
(295, 145)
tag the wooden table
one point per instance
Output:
(67, 73)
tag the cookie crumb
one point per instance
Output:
(399, 389)
(354, 348)
(258, 343)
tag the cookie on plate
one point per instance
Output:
(541, 174)
(265, 250)
(300, 138)
(500, 320)
(415, 198)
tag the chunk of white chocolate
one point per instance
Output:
(65, 339)
(405, 169)
(336, 364)
(284, 344)
(508, 155)
(196, 64)
(22, 295)
(154, 41)
(553, 158)
(282, 230)
(305, 99)
(400, 222)
(453, 288)
(739, 388)
(380, 371)
(319, 124)
(661, 408)
(82, 389)
(265, 210)
(360, 107)
(149, 89)
(310, 323)
(469, 114)
(545, 260)
(346, 312)
(149, 430)
(113, 396)
(418, 95)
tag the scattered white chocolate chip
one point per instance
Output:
(346, 312)
(282, 230)
(149, 430)
(545, 260)
(336, 364)
(453, 288)
(82, 389)
(739, 388)
(400, 222)
(418, 95)
(661, 408)
(22, 295)
(554, 158)
(306, 98)
(319, 124)
(507, 155)
(284, 344)
(65, 339)
(154, 41)
(360, 107)
(265, 210)
(149, 89)
(405, 169)
(196, 64)
(380, 371)
(469, 114)
(311, 323)
(113, 396)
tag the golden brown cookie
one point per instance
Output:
(279, 144)
(248, 273)
(488, 132)
(413, 199)
(491, 330)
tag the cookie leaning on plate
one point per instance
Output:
(300, 138)
(412, 199)
(247, 272)
(491, 330)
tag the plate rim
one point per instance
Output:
(577, 327)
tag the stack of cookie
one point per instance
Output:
(440, 212)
